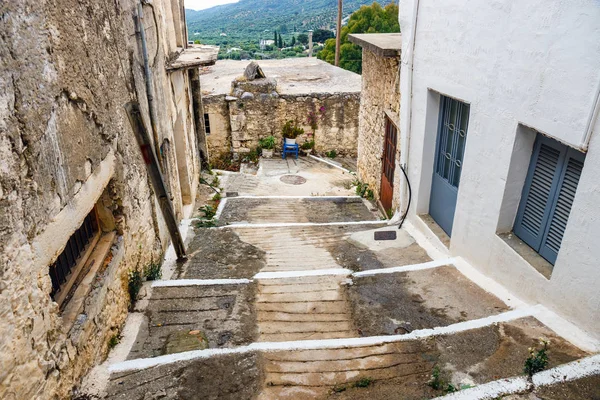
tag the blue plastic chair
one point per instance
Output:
(290, 149)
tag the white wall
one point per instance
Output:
(534, 63)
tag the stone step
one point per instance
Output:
(297, 317)
(320, 307)
(294, 336)
(268, 327)
(303, 297)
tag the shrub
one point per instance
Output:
(267, 143)
(291, 131)
(209, 211)
(331, 154)
(308, 145)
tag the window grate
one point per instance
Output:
(207, 124)
(76, 246)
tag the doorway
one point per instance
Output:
(386, 192)
(450, 149)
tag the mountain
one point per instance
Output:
(251, 18)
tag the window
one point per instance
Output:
(548, 195)
(207, 124)
(65, 270)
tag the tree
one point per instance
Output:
(368, 19)
(303, 38)
(321, 35)
(280, 41)
(293, 41)
(275, 37)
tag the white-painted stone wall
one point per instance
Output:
(534, 63)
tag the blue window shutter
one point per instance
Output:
(548, 196)
(561, 207)
(540, 188)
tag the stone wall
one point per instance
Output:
(219, 139)
(256, 113)
(65, 143)
(380, 96)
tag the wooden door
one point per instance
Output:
(386, 192)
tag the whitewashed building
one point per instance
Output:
(500, 136)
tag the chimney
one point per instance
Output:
(310, 43)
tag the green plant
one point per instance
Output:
(209, 211)
(267, 143)
(369, 195)
(363, 383)
(252, 156)
(308, 145)
(134, 284)
(153, 272)
(390, 213)
(113, 341)
(437, 383)
(538, 358)
(291, 131)
(203, 223)
(361, 188)
(331, 154)
(217, 197)
(215, 182)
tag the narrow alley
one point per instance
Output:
(290, 297)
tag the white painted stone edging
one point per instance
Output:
(406, 268)
(200, 282)
(144, 363)
(294, 224)
(221, 207)
(295, 274)
(331, 163)
(294, 197)
(574, 370)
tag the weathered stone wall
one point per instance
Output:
(380, 94)
(66, 70)
(257, 114)
(219, 139)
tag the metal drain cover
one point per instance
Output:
(231, 194)
(293, 179)
(385, 235)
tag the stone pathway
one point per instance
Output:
(309, 306)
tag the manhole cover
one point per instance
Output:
(293, 179)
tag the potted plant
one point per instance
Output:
(308, 146)
(267, 144)
(290, 132)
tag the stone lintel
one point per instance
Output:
(382, 44)
(193, 57)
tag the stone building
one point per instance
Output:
(76, 209)
(238, 112)
(501, 136)
(379, 116)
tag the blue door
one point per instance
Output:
(450, 149)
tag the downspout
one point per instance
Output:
(148, 78)
(406, 61)
(592, 118)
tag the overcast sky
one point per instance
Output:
(202, 4)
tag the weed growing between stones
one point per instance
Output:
(438, 383)
(209, 211)
(538, 358)
(153, 272)
(362, 190)
(363, 383)
(331, 154)
(134, 285)
(113, 341)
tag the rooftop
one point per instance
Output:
(295, 76)
(382, 44)
(195, 56)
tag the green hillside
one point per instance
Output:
(252, 20)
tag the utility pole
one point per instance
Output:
(338, 34)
